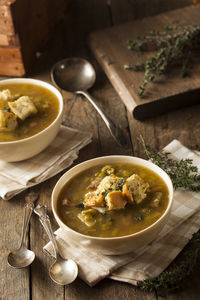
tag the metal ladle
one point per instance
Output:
(77, 75)
(62, 271)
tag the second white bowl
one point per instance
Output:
(26, 148)
(113, 245)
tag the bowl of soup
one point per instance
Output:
(113, 204)
(30, 117)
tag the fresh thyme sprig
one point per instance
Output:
(171, 279)
(184, 175)
(174, 46)
(182, 172)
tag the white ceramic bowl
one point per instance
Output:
(113, 245)
(23, 149)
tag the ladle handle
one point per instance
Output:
(41, 211)
(115, 131)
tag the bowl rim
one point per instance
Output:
(98, 159)
(46, 85)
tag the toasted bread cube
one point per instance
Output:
(115, 200)
(135, 189)
(108, 182)
(93, 199)
(23, 107)
(8, 121)
(5, 96)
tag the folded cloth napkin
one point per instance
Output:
(18, 176)
(152, 259)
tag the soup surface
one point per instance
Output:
(113, 200)
(25, 109)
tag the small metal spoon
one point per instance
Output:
(23, 257)
(62, 271)
(77, 75)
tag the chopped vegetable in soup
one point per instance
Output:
(113, 200)
(25, 109)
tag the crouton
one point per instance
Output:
(108, 182)
(115, 200)
(135, 189)
(5, 96)
(99, 197)
(23, 107)
(8, 121)
(93, 199)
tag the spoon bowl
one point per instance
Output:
(73, 74)
(63, 271)
(77, 75)
(21, 258)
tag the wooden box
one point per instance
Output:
(25, 26)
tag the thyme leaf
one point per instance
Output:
(171, 279)
(182, 172)
(174, 46)
(184, 175)
(120, 184)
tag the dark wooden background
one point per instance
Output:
(70, 39)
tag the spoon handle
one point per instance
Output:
(115, 131)
(28, 209)
(41, 211)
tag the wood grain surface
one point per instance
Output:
(167, 92)
(70, 39)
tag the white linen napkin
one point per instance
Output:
(152, 259)
(18, 176)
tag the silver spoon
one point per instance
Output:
(23, 257)
(62, 271)
(77, 75)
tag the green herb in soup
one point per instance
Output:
(25, 109)
(113, 200)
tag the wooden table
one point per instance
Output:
(70, 39)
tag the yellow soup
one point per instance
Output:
(45, 102)
(114, 200)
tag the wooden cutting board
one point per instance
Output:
(166, 92)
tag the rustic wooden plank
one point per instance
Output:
(182, 124)
(6, 2)
(4, 40)
(190, 289)
(6, 21)
(14, 283)
(110, 49)
(106, 289)
(11, 61)
(126, 10)
(9, 40)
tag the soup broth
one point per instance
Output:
(99, 221)
(45, 102)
